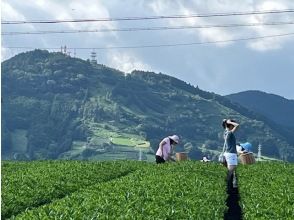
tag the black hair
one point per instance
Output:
(225, 124)
(172, 141)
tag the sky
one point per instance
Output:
(224, 68)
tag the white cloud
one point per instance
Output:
(4, 53)
(202, 34)
(209, 64)
(271, 5)
(219, 34)
(275, 42)
(125, 62)
(89, 10)
(9, 13)
(71, 9)
(54, 9)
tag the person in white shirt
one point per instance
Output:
(165, 149)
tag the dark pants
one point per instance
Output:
(159, 159)
(230, 176)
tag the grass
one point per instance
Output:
(123, 141)
(27, 185)
(186, 192)
(132, 142)
(119, 145)
(267, 190)
(118, 138)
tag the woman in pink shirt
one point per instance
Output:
(165, 148)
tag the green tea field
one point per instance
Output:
(141, 190)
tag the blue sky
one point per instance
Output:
(265, 64)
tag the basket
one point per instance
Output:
(181, 156)
(247, 158)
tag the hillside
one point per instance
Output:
(274, 107)
(55, 106)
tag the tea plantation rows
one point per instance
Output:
(140, 190)
(31, 184)
(267, 191)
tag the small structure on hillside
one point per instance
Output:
(93, 58)
(259, 153)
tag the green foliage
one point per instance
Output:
(170, 191)
(267, 190)
(30, 184)
(139, 190)
(126, 141)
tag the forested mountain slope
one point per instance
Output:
(56, 106)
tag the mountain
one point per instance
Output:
(58, 107)
(274, 107)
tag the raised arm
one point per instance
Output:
(235, 124)
(170, 158)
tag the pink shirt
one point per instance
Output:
(166, 149)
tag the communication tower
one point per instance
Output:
(93, 57)
(259, 153)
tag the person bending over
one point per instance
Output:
(165, 149)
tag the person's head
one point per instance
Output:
(228, 125)
(174, 139)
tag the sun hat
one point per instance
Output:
(175, 138)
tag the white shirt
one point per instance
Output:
(166, 148)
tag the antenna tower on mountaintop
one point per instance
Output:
(93, 57)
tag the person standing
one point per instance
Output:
(230, 153)
(165, 149)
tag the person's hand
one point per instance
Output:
(171, 159)
(228, 121)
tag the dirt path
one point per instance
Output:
(234, 211)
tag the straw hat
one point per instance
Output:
(175, 138)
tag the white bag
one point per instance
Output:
(221, 158)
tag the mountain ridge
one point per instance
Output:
(276, 108)
(58, 102)
(252, 91)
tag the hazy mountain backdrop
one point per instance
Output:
(274, 107)
(55, 106)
